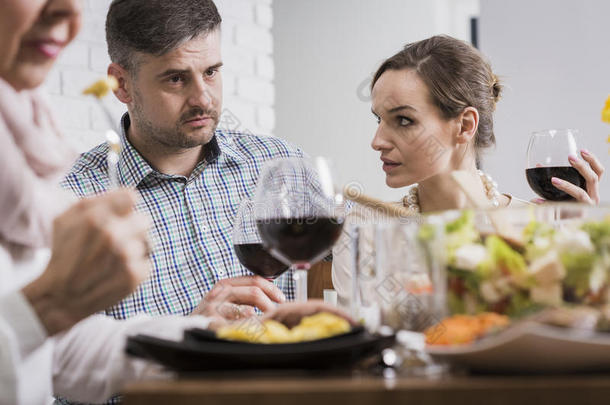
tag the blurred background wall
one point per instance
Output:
(300, 70)
(554, 58)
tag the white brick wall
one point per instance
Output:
(248, 74)
(247, 52)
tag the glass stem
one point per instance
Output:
(300, 281)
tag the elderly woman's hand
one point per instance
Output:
(591, 169)
(99, 255)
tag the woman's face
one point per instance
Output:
(32, 34)
(415, 141)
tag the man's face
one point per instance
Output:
(176, 98)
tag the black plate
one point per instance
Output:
(202, 351)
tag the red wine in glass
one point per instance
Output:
(547, 157)
(249, 248)
(299, 214)
(257, 259)
(539, 179)
(300, 240)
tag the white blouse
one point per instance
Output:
(87, 363)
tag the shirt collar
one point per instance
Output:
(133, 168)
(226, 145)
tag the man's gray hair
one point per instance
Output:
(155, 27)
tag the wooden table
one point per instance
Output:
(311, 390)
(319, 277)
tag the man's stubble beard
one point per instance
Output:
(174, 138)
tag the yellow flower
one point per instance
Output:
(606, 112)
(100, 88)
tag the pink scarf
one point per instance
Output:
(33, 158)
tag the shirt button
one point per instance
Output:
(221, 272)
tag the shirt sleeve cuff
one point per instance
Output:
(18, 314)
(170, 327)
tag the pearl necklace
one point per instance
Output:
(411, 200)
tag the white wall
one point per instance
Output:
(247, 47)
(248, 72)
(325, 55)
(554, 58)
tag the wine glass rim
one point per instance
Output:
(318, 166)
(554, 131)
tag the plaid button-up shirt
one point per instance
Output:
(192, 217)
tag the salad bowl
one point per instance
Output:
(490, 302)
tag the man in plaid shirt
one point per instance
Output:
(191, 175)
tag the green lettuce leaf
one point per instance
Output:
(534, 233)
(599, 232)
(578, 271)
(502, 258)
(520, 305)
(455, 303)
(535, 229)
(460, 232)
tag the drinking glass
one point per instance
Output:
(547, 157)
(249, 248)
(299, 214)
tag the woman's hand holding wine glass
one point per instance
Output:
(556, 173)
(591, 169)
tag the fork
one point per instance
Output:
(98, 90)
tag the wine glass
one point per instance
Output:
(547, 157)
(249, 247)
(298, 213)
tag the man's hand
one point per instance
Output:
(99, 255)
(235, 298)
